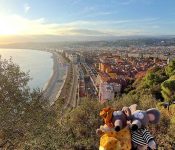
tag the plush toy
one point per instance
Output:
(115, 134)
(141, 137)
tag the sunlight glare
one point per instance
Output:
(9, 26)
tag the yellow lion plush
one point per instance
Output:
(115, 134)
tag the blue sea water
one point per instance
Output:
(38, 63)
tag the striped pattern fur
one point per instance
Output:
(141, 136)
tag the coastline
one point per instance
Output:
(53, 87)
(60, 90)
(40, 70)
(46, 85)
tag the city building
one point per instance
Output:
(73, 58)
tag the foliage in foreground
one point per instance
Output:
(23, 113)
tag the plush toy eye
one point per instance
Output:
(117, 113)
(139, 115)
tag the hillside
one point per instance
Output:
(115, 41)
(28, 123)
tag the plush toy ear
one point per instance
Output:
(133, 108)
(153, 115)
(127, 111)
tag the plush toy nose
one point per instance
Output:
(118, 125)
(134, 127)
(136, 124)
(117, 128)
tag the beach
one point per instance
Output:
(38, 63)
(52, 88)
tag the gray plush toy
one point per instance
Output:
(141, 137)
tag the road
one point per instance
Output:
(72, 98)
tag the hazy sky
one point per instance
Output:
(86, 18)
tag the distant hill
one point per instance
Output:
(120, 41)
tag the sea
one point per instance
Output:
(38, 63)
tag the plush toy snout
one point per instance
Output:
(136, 124)
(134, 127)
(118, 125)
(119, 120)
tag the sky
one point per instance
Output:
(30, 20)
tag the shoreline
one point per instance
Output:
(53, 87)
(61, 88)
(29, 65)
(46, 85)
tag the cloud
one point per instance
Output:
(87, 32)
(74, 2)
(91, 11)
(97, 14)
(155, 26)
(19, 26)
(128, 2)
(26, 8)
(103, 24)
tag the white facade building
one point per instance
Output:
(73, 58)
(107, 91)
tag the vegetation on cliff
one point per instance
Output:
(27, 122)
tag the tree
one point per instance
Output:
(170, 69)
(168, 90)
(21, 111)
(155, 77)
